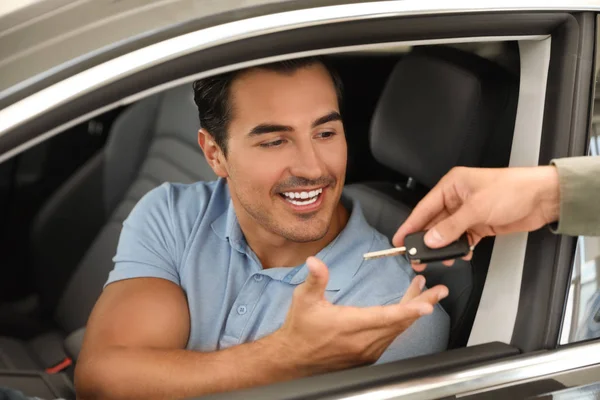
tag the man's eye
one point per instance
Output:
(274, 143)
(326, 135)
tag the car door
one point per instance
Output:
(521, 305)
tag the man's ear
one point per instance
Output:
(213, 153)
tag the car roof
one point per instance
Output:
(36, 36)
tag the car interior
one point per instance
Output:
(410, 115)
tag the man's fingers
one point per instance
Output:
(432, 296)
(422, 304)
(415, 288)
(418, 267)
(393, 314)
(413, 305)
(316, 281)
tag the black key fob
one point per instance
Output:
(418, 252)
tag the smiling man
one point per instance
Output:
(215, 287)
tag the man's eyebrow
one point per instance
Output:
(332, 116)
(269, 128)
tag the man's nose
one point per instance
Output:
(308, 163)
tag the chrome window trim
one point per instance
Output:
(478, 378)
(500, 297)
(107, 72)
(138, 96)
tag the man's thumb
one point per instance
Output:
(318, 276)
(450, 229)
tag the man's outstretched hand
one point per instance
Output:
(484, 202)
(326, 337)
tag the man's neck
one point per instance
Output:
(275, 251)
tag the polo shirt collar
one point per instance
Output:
(228, 228)
(343, 255)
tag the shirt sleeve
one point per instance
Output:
(147, 245)
(579, 180)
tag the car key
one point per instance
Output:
(417, 251)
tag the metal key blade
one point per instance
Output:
(418, 252)
(384, 253)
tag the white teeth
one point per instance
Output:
(302, 203)
(307, 197)
(303, 195)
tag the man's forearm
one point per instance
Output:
(120, 372)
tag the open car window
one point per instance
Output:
(56, 160)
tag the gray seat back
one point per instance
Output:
(440, 108)
(152, 142)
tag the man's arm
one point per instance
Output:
(133, 346)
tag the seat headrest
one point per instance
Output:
(171, 113)
(437, 110)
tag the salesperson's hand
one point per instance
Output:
(484, 202)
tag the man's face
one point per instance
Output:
(286, 151)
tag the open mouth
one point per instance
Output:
(302, 198)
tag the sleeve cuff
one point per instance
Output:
(579, 196)
(136, 270)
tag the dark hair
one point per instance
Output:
(211, 94)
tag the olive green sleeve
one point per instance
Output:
(579, 180)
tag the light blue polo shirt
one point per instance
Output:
(189, 235)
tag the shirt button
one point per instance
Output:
(241, 310)
(258, 278)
